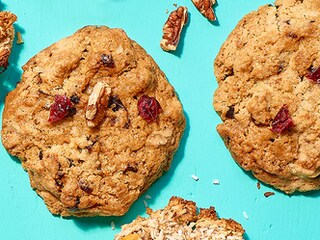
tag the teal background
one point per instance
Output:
(23, 214)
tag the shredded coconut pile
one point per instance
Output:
(179, 220)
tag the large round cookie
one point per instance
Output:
(268, 95)
(93, 121)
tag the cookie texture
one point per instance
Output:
(6, 37)
(76, 124)
(267, 98)
(179, 220)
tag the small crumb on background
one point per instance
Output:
(258, 185)
(147, 197)
(113, 226)
(19, 38)
(145, 203)
(196, 178)
(216, 182)
(268, 194)
(245, 215)
(175, 5)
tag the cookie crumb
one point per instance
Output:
(167, 11)
(245, 215)
(147, 197)
(268, 194)
(216, 182)
(145, 203)
(258, 185)
(113, 225)
(175, 5)
(196, 178)
(19, 38)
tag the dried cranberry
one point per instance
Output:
(107, 60)
(85, 186)
(314, 74)
(149, 108)
(282, 121)
(61, 108)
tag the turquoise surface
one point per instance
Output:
(23, 215)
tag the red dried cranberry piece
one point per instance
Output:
(107, 60)
(149, 108)
(282, 121)
(314, 74)
(61, 108)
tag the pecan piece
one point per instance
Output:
(205, 8)
(97, 103)
(172, 29)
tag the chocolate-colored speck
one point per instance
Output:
(72, 111)
(107, 60)
(258, 185)
(230, 112)
(40, 155)
(268, 194)
(115, 103)
(75, 99)
(130, 168)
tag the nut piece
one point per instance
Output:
(173, 27)
(6, 37)
(97, 103)
(205, 7)
(19, 38)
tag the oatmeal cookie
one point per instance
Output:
(94, 121)
(179, 220)
(6, 37)
(268, 94)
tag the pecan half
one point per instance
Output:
(97, 103)
(172, 29)
(205, 8)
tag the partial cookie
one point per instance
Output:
(94, 121)
(179, 220)
(6, 37)
(268, 95)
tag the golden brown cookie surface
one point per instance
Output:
(179, 220)
(266, 97)
(94, 122)
(6, 37)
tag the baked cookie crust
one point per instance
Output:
(79, 166)
(261, 68)
(6, 37)
(180, 220)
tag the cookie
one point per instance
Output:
(94, 121)
(268, 94)
(6, 37)
(179, 220)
